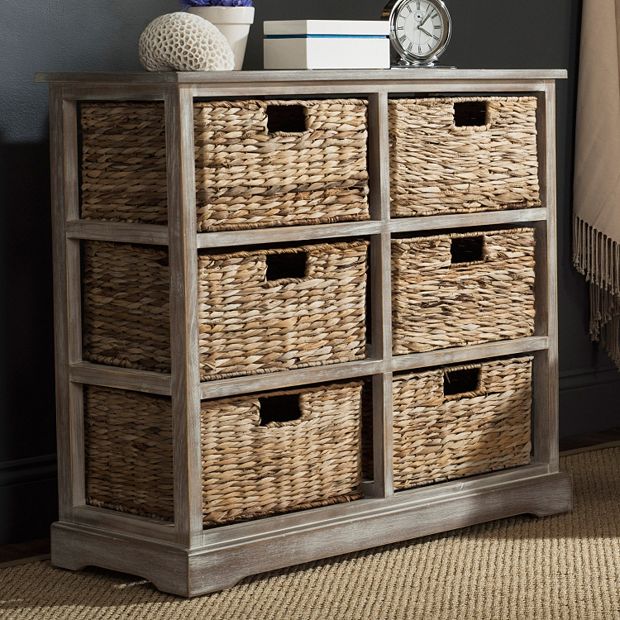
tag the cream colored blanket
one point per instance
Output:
(596, 251)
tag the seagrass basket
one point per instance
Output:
(128, 451)
(126, 305)
(462, 289)
(289, 450)
(463, 154)
(461, 421)
(259, 311)
(258, 163)
(261, 454)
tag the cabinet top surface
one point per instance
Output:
(358, 75)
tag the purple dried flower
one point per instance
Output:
(188, 3)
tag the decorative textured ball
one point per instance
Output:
(184, 42)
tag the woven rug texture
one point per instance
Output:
(564, 567)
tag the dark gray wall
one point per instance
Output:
(67, 35)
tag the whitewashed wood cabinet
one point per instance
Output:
(182, 557)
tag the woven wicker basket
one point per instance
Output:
(126, 306)
(251, 320)
(249, 173)
(460, 155)
(128, 448)
(462, 289)
(252, 470)
(255, 463)
(461, 421)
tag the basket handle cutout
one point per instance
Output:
(279, 409)
(283, 266)
(471, 113)
(287, 119)
(463, 381)
(467, 249)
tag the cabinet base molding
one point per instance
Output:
(212, 567)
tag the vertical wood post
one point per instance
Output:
(183, 260)
(67, 302)
(380, 284)
(546, 377)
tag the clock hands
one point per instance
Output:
(428, 14)
(419, 26)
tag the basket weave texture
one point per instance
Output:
(248, 324)
(246, 175)
(126, 306)
(128, 441)
(438, 437)
(251, 470)
(123, 162)
(439, 304)
(438, 167)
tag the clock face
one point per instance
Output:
(420, 29)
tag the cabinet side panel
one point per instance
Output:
(63, 140)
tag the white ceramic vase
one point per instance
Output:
(233, 22)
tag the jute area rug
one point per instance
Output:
(523, 568)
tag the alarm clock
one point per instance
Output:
(420, 30)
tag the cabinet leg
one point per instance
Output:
(555, 500)
(76, 547)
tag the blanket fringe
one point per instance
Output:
(597, 257)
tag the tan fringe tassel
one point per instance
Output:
(597, 257)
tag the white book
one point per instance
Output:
(327, 27)
(326, 44)
(326, 54)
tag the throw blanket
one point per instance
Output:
(596, 239)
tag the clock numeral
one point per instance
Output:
(436, 38)
(419, 49)
(410, 47)
(437, 26)
(400, 28)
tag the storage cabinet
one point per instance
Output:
(299, 314)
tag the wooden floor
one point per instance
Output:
(36, 549)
